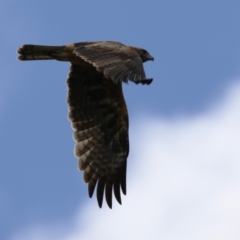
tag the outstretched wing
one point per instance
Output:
(115, 60)
(99, 117)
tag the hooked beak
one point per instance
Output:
(150, 58)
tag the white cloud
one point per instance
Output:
(183, 183)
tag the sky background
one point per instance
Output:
(183, 178)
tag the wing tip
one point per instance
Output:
(108, 188)
(146, 81)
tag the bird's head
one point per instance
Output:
(144, 54)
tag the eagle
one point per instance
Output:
(97, 109)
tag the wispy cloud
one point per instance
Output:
(183, 182)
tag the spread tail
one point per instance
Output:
(38, 52)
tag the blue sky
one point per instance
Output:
(184, 125)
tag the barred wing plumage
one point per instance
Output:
(115, 60)
(99, 117)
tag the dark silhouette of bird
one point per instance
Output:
(97, 109)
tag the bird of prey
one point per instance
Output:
(97, 109)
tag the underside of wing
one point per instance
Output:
(115, 60)
(99, 117)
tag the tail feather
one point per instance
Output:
(38, 52)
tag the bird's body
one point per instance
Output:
(97, 107)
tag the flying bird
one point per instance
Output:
(97, 109)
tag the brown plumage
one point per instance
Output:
(97, 107)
